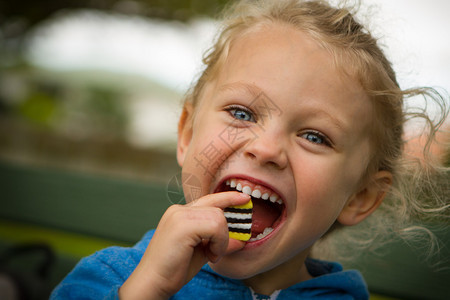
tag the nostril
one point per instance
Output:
(249, 154)
(272, 155)
(273, 163)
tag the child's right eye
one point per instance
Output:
(241, 113)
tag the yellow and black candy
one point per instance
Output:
(239, 219)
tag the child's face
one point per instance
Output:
(281, 119)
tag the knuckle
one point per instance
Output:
(218, 220)
(175, 212)
(172, 209)
(218, 213)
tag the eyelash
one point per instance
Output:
(325, 140)
(235, 108)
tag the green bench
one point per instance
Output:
(78, 214)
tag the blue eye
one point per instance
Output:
(316, 138)
(241, 114)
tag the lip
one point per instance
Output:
(283, 217)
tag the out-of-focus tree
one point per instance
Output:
(18, 17)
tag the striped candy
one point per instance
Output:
(239, 219)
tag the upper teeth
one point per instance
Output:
(256, 193)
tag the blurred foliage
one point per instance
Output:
(38, 107)
(19, 17)
(105, 103)
(101, 108)
(82, 109)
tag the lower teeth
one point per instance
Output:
(262, 235)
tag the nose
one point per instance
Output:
(267, 148)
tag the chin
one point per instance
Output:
(240, 268)
(229, 270)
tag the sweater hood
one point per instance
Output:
(330, 281)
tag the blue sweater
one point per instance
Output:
(100, 275)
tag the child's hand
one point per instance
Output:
(187, 237)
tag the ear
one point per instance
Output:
(366, 201)
(184, 132)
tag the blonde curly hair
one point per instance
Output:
(420, 190)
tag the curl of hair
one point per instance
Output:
(420, 191)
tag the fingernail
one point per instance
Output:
(244, 196)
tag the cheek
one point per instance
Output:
(214, 140)
(205, 155)
(322, 195)
(324, 188)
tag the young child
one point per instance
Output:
(297, 110)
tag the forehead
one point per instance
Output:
(293, 69)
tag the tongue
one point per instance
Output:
(264, 215)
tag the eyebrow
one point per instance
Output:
(251, 89)
(336, 121)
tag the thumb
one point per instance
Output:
(234, 245)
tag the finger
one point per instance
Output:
(222, 200)
(218, 248)
(234, 245)
(210, 230)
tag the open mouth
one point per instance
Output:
(268, 206)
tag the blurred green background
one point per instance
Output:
(90, 92)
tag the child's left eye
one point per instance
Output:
(241, 113)
(316, 138)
